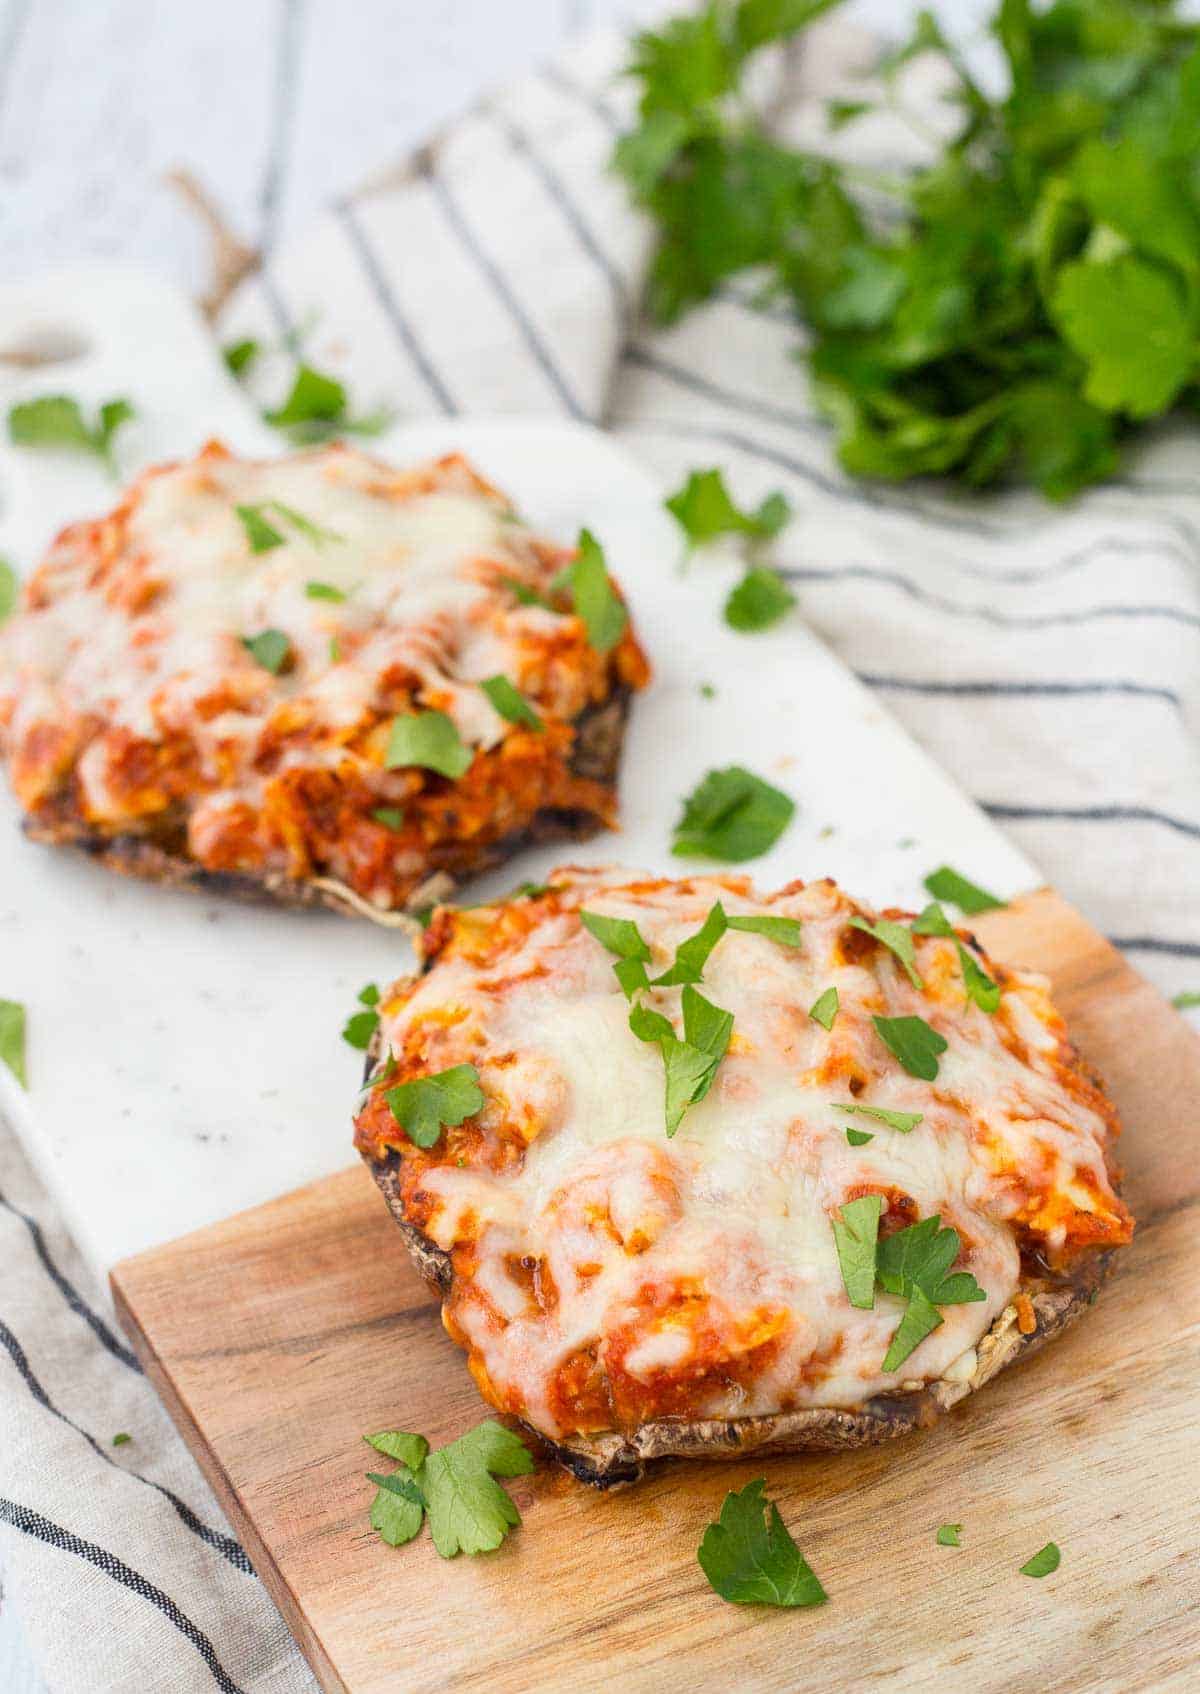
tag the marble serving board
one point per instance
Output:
(184, 1054)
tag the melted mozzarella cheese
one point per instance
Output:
(665, 1255)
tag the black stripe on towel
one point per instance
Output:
(1087, 814)
(39, 1528)
(104, 1335)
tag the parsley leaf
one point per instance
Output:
(785, 931)
(398, 1509)
(758, 601)
(920, 1319)
(122, 1438)
(750, 1559)
(691, 955)
(314, 532)
(240, 355)
(422, 1106)
(359, 1028)
(620, 935)
(8, 589)
(690, 1064)
(919, 1257)
(316, 409)
(978, 984)
(468, 1510)
(704, 510)
(1043, 1562)
(825, 1008)
(732, 815)
(592, 594)
(896, 939)
(914, 1043)
(391, 817)
(948, 1535)
(510, 702)
(632, 976)
(270, 648)
(1130, 322)
(12, 1039)
(858, 1137)
(856, 1235)
(400, 1444)
(1188, 998)
(524, 595)
(430, 740)
(57, 421)
(947, 884)
(261, 534)
(903, 1121)
(324, 591)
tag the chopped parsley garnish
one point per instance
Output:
(430, 740)
(948, 1535)
(856, 1236)
(510, 702)
(1043, 1562)
(750, 1558)
(921, 1317)
(620, 935)
(914, 1043)
(524, 595)
(903, 1121)
(261, 534)
(707, 691)
(897, 940)
(785, 931)
(122, 1438)
(316, 408)
(455, 1486)
(361, 1026)
(858, 1137)
(595, 600)
(57, 421)
(391, 817)
(314, 532)
(240, 355)
(758, 601)
(324, 591)
(825, 1008)
(978, 984)
(704, 510)
(691, 955)
(421, 1107)
(270, 648)
(732, 815)
(690, 1063)
(8, 589)
(632, 976)
(947, 884)
(1182, 1002)
(12, 1039)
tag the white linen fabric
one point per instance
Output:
(1046, 656)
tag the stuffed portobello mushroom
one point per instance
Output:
(699, 1171)
(318, 679)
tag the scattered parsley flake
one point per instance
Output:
(903, 1121)
(12, 1039)
(948, 1535)
(914, 1043)
(469, 1512)
(947, 884)
(856, 1236)
(122, 1438)
(57, 421)
(690, 1064)
(858, 1137)
(920, 1319)
(391, 817)
(524, 595)
(240, 355)
(9, 589)
(620, 935)
(510, 702)
(691, 955)
(595, 600)
(324, 591)
(750, 1558)
(784, 931)
(1183, 1001)
(270, 648)
(421, 1107)
(369, 996)
(825, 1008)
(978, 984)
(314, 532)
(758, 601)
(707, 691)
(732, 815)
(632, 976)
(316, 409)
(704, 510)
(261, 534)
(897, 940)
(358, 1030)
(430, 740)
(1043, 1562)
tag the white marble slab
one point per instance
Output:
(184, 1054)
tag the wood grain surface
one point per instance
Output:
(278, 1337)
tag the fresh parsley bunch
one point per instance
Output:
(1029, 297)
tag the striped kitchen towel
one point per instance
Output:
(1046, 656)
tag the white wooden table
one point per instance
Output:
(276, 106)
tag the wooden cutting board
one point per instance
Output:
(278, 1337)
